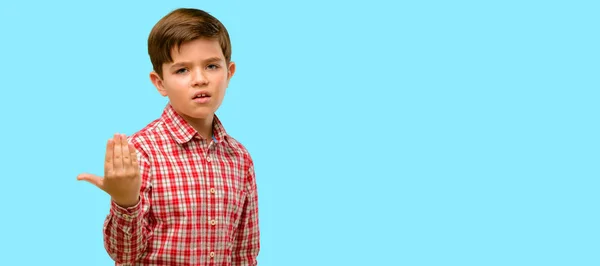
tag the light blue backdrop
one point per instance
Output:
(384, 133)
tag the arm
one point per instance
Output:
(246, 243)
(126, 228)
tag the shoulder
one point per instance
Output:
(150, 134)
(238, 147)
(240, 151)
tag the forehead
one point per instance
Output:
(198, 49)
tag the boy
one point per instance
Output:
(183, 192)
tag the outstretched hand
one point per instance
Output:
(122, 180)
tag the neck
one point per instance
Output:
(203, 126)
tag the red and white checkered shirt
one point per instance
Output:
(199, 203)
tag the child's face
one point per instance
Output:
(198, 67)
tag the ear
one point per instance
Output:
(158, 83)
(230, 70)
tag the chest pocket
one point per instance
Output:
(177, 197)
(229, 195)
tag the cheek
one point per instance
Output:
(220, 84)
(174, 84)
(179, 81)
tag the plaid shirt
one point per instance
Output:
(198, 204)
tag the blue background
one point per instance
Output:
(384, 133)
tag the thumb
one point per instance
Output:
(93, 179)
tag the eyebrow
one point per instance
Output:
(213, 59)
(208, 60)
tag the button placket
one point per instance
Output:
(212, 221)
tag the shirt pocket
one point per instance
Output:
(174, 200)
(233, 201)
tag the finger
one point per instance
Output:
(117, 154)
(133, 154)
(126, 152)
(134, 159)
(108, 163)
(93, 179)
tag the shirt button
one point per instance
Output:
(213, 222)
(212, 190)
(208, 158)
(212, 254)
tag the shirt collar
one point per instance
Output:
(183, 132)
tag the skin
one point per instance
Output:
(121, 172)
(198, 65)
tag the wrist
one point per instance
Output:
(126, 203)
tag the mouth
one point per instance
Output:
(201, 97)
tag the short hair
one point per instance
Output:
(184, 25)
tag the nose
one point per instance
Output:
(199, 78)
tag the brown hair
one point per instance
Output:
(183, 25)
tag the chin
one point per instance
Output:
(201, 114)
(195, 113)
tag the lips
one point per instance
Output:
(201, 97)
(201, 94)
